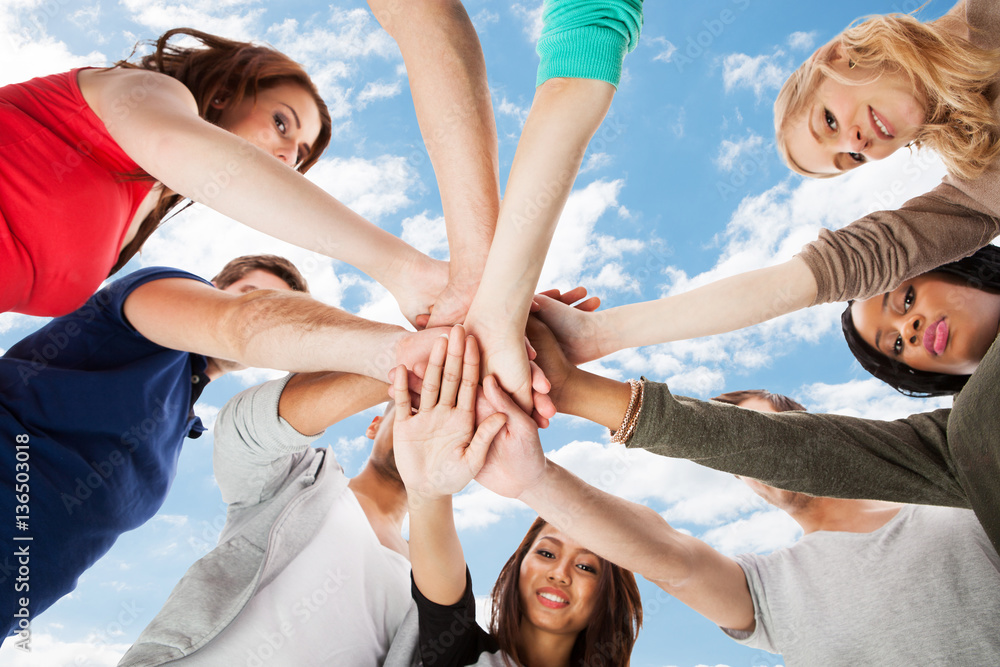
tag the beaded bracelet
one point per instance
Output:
(631, 417)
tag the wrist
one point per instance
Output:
(539, 488)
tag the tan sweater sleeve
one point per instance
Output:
(875, 254)
(878, 252)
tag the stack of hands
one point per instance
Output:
(449, 429)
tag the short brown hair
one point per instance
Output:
(609, 636)
(779, 402)
(279, 266)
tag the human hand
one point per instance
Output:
(515, 461)
(439, 449)
(419, 288)
(451, 306)
(578, 328)
(550, 358)
(507, 357)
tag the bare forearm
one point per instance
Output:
(311, 402)
(436, 555)
(599, 399)
(447, 72)
(294, 332)
(564, 116)
(625, 533)
(725, 305)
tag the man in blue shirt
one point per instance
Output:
(95, 405)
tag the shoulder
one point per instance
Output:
(113, 93)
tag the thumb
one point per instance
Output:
(480, 445)
(498, 398)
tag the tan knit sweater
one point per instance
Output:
(875, 254)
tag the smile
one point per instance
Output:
(879, 125)
(551, 599)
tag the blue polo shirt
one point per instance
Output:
(99, 413)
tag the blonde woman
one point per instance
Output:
(882, 84)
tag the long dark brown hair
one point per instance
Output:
(220, 69)
(607, 640)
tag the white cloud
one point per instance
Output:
(595, 161)
(331, 50)
(372, 188)
(208, 413)
(232, 18)
(483, 18)
(868, 399)
(378, 90)
(802, 41)
(508, 108)
(28, 50)
(731, 152)
(666, 49)
(677, 127)
(202, 241)
(51, 652)
(576, 248)
(248, 377)
(759, 73)
(773, 226)
(761, 532)
(426, 234)
(19, 322)
(531, 16)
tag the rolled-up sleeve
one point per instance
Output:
(587, 39)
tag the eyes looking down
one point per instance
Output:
(558, 583)
(848, 124)
(935, 322)
(283, 121)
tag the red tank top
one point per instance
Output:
(66, 200)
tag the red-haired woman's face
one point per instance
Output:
(935, 322)
(558, 583)
(847, 125)
(283, 121)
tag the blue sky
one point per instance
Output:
(681, 185)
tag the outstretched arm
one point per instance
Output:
(153, 117)
(625, 533)
(582, 47)
(438, 452)
(270, 329)
(447, 73)
(725, 305)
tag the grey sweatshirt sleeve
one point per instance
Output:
(254, 447)
(907, 460)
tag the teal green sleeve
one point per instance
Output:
(587, 39)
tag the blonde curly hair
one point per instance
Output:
(949, 72)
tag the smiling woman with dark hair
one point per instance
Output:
(555, 603)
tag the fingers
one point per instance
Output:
(420, 321)
(540, 421)
(529, 349)
(590, 305)
(470, 375)
(544, 407)
(539, 383)
(402, 396)
(432, 378)
(453, 372)
(498, 398)
(571, 296)
(480, 445)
